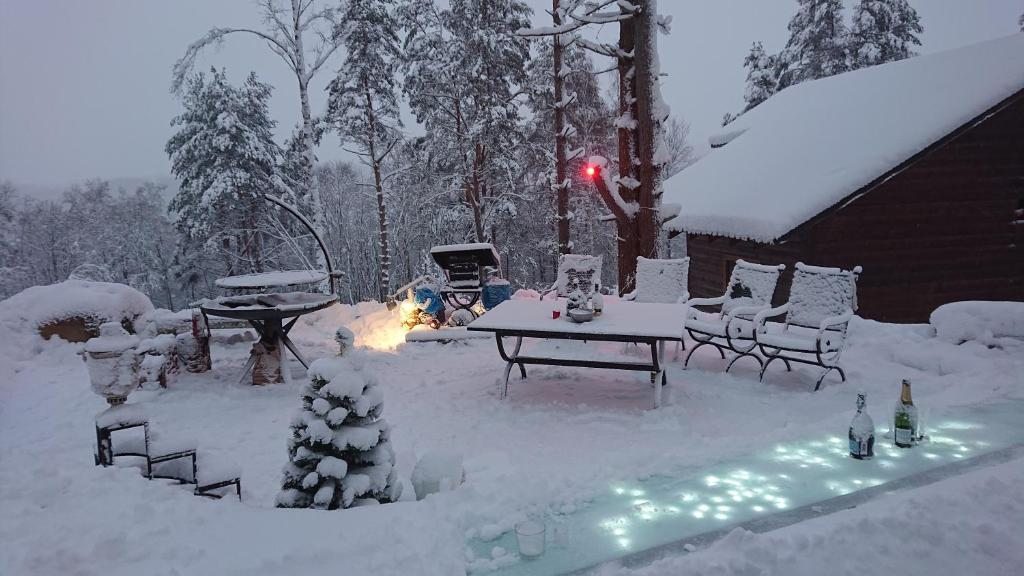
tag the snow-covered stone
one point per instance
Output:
(437, 471)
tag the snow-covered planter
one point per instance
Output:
(113, 363)
(340, 453)
(986, 322)
(437, 472)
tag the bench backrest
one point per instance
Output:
(661, 280)
(580, 270)
(751, 285)
(818, 293)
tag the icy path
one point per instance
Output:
(787, 483)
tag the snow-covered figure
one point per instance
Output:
(346, 340)
(339, 452)
(883, 31)
(817, 43)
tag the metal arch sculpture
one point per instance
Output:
(332, 274)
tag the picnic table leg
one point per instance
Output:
(510, 361)
(659, 377)
(291, 345)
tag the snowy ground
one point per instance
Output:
(562, 437)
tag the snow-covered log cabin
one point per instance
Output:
(913, 170)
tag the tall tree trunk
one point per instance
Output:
(384, 278)
(561, 164)
(306, 135)
(645, 84)
(474, 191)
(626, 228)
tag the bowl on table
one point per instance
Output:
(581, 316)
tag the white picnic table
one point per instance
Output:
(633, 322)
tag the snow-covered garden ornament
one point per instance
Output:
(345, 339)
(112, 362)
(340, 453)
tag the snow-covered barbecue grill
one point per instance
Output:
(465, 268)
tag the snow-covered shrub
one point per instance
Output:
(340, 450)
(985, 322)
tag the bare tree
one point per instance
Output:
(288, 25)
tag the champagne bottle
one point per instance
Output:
(862, 432)
(905, 418)
(597, 300)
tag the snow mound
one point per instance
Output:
(99, 302)
(986, 322)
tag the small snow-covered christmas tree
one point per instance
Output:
(339, 452)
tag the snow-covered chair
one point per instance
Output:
(661, 281)
(749, 292)
(821, 303)
(581, 270)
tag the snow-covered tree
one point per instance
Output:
(633, 194)
(883, 31)
(762, 81)
(224, 157)
(363, 103)
(303, 36)
(464, 73)
(817, 43)
(339, 452)
(676, 135)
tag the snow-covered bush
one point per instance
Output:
(340, 451)
(985, 322)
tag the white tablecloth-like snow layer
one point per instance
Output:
(661, 321)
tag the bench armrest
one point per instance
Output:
(764, 315)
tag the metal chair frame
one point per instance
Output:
(825, 354)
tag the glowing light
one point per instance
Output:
(931, 455)
(711, 481)
(724, 508)
(620, 490)
(636, 493)
(590, 170)
(703, 507)
(619, 532)
(722, 516)
(717, 499)
(698, 514)
(689, 497)
(757, 508)
(624, 542)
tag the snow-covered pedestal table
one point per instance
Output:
(634, 322)
(266, 313)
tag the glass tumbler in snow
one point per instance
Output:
(530, 537)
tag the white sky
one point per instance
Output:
(84, 84)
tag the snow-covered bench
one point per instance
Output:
(821, 303)
(749, 292)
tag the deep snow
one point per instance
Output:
(562, 437)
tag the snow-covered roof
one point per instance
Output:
(814, 144)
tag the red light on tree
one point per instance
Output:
(591, 170)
